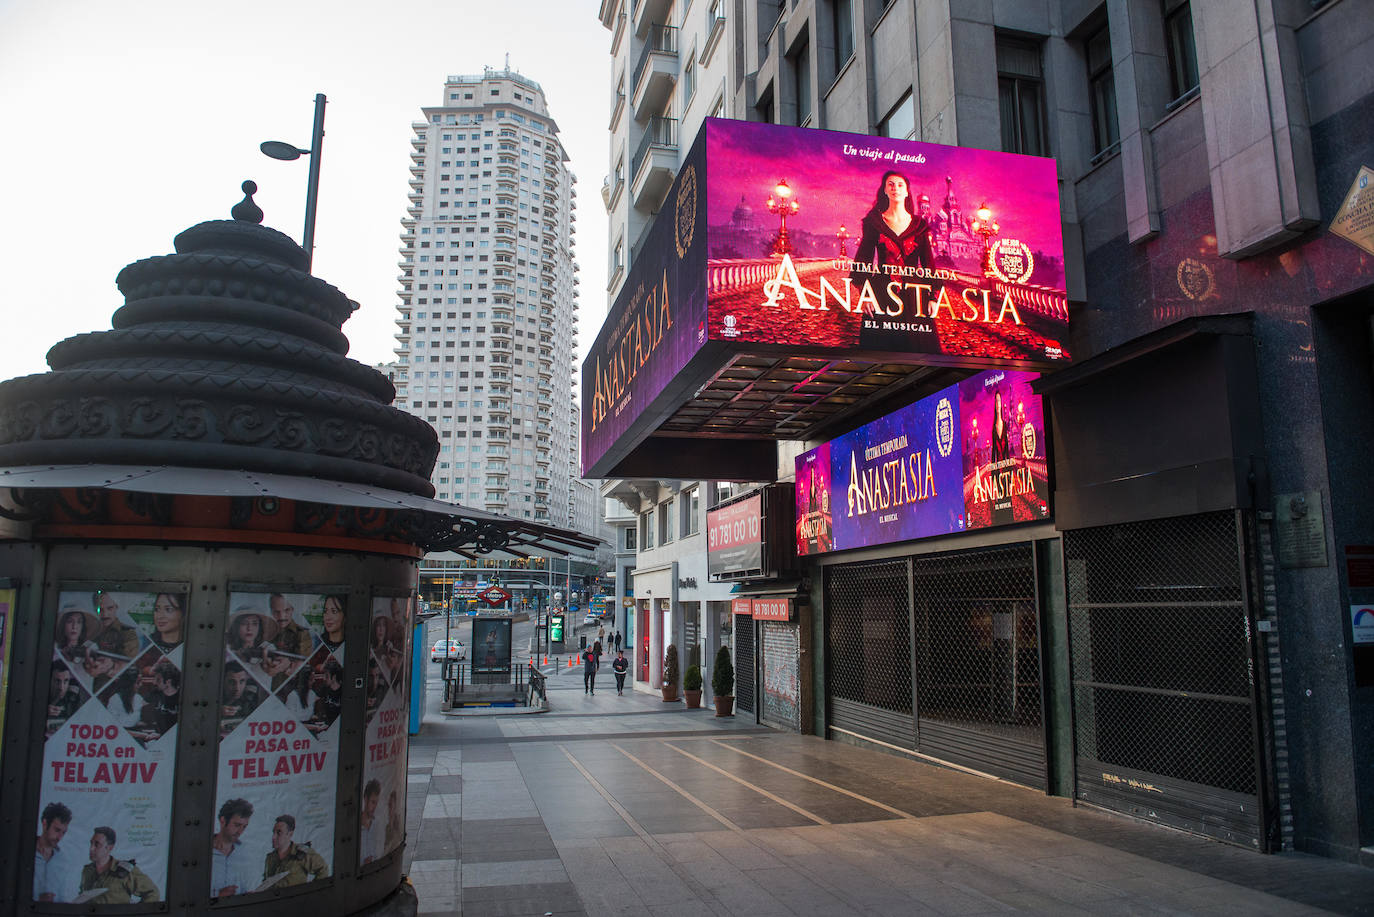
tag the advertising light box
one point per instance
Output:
(969, 456)
(822, 242)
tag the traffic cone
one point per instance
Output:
(546, 660)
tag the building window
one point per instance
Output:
(689, 79)
(665, 528)
(1178, 34)
(801, 82)
(901, 121)
(691, 507)
(1021, 96)
(1102, 89)
(646, 530)
(630, 538)
(842, 13)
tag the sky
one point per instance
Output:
(126, 121)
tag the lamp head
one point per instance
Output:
(782, 190)
(983, 213)
(286, 152)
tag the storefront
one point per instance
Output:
(932, 621)
(1174, 656)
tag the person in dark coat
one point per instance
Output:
(620, 666)
(591, 660)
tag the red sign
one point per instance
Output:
(494, 595)
(772, 609)
(734, 539)
(741, 607)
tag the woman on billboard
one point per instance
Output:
(895, 236)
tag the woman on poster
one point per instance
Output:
(75, 628)
(123, 700)
(895, 236)
(168, 619)
(333, 622)
(250, 630)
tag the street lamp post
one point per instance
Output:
(287, 152)
(842, 235)
(986, 227)
(782, 207)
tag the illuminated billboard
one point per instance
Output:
(818, 242)
(969, 456)
(882, 245)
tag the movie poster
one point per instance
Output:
(7, 612)
(114, 699)
(280, 699)
(883, 245)
(972, 455)
(1006, 472)
(382, 818)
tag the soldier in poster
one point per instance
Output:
(296, 864)
(115, 635)
(109, 881)
(291, 636)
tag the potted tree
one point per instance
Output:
(691, 686)
(723, 683)
(670, 673)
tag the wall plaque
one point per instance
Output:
(1300, 529)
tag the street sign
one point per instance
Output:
(494, 595)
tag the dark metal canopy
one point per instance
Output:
(758, 398)
(28, 493)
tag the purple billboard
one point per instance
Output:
(819, 242)
(969, 456)
(657, 324)
(882, 245)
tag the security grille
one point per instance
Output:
(868, 641)
(1160, 639)
(868, 651)
(744, 663)
(978, 691)
(977, 640)
(780, 660)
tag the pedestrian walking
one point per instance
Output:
(590, 661)
(601, 634)
(617, 641)
(620, 666)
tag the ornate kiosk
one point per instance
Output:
(210, 526)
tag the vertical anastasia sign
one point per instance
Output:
(280, 700)
(969, 456)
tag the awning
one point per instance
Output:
(791, 588)
(457, 528)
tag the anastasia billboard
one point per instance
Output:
(815, 242)
(970, 456)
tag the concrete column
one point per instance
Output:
(1140, 67)
(1254, 115)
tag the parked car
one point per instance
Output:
(444, 650)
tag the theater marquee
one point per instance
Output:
(780, 239)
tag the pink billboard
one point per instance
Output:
(845, 241)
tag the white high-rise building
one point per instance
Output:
(488, 308)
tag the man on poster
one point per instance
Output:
(230, 873)
(296, 864)
(373, 832)
(291, 637)
(50, 873)
(113, 881)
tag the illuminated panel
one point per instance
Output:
(969, 456)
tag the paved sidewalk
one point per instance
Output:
(625, 805)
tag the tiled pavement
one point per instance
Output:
(610, 805)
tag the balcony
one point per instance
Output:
(654, 164)
(655, 72)
(648, 12)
